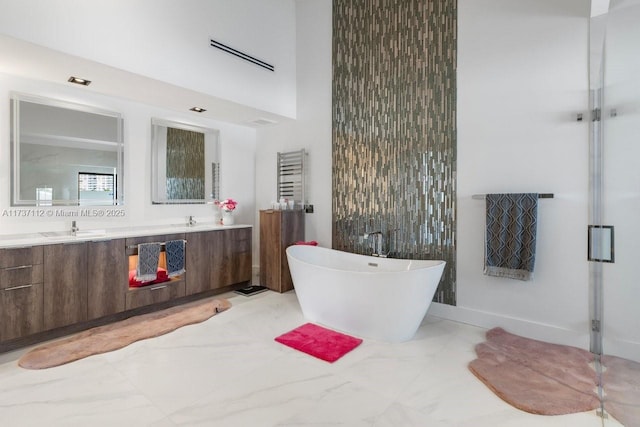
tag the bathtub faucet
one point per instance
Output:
(377, 243)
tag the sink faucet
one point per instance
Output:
(74, 228)
(191, 222)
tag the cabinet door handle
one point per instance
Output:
(18, 287)
(158, 287)
(19, 267)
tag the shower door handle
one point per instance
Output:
(600, 246)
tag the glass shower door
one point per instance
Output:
(616, 211)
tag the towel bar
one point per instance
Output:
(161, 244)
(540, 196)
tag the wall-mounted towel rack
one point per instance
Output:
(540, 196)
(161, 244)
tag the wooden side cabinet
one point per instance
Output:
(278, 230)
(21, 292)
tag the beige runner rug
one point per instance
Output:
(120, 334)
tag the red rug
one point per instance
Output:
(535, 376)
(319, 342)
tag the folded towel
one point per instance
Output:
(174, 250)
(135, 283)
(147, 267)
(511, 235)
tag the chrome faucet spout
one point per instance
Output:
(74, 228)
(377, 243)
(191, 221)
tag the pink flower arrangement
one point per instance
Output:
(228, 204)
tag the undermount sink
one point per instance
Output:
(79, 233)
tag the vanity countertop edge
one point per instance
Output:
(40, 238)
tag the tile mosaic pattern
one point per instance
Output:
(394, 129)
(185, 164)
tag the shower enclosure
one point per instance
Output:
(614, 234)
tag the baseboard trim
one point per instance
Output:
(523, 327)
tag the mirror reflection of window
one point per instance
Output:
(44, 196)
(54, 140)
(96, 188)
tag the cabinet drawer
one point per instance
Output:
(20, 256)
(20, 275)
(22, 311)
(154, 294)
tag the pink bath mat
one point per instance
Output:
(319, 342)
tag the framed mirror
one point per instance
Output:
(185, 163)
(65, 154)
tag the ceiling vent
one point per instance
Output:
(241, 55)
(262, 122)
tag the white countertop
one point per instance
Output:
(54, 237)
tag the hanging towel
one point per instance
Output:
(147, 268)
(174, 250)
(510, 249)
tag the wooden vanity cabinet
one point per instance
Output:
(65, 284)
(58, 285)
(160, 292)
(217, 259)
(21, 292)
(278, 231)
(200, 252)
(234, 266)
(107, 275)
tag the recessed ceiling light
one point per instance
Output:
(79, 81)
(198, 109)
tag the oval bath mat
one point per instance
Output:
(536, 376)
(120, 334)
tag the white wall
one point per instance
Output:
(237, 163)
(312, 129)
(168, 40)
(522, 77)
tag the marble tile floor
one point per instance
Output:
(229, 371)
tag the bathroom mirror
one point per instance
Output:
(185, 166)
(64, 154)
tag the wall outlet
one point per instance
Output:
(308, 208)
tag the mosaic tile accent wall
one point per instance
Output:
(394, 129)
(185, 164)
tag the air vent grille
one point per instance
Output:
(242, 55)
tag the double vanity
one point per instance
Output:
(57, 283)
(67, 160)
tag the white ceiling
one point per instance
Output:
(32, 61)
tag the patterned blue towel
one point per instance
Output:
(147, 268)
(174, 250)
(511, 235)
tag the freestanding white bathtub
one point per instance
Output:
(381, 298)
